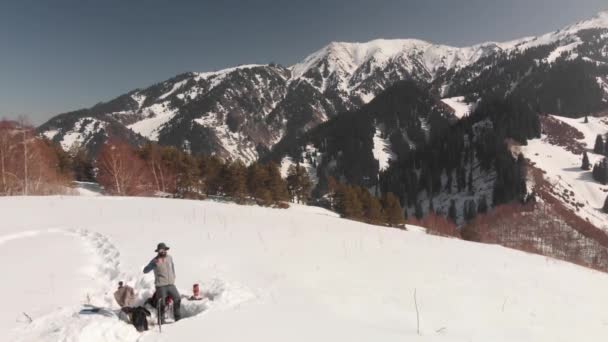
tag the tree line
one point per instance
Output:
(155, 170)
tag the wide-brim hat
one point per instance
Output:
(160, 246)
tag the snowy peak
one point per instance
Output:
(347, 59)
(599, 21)
(567, 35)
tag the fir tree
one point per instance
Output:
(348, 202)
(452, 213)
(482, 205)
(392, 209)
(461, 178)
(188, 182)
(373, 210)
(585, 166)
(82, 167)
(599, 145)
(211, 174)
(332, 191)
(276, 184)
(299, 184)
(470, 210)
(234, 180)
(257, 182)
(600, 171)
(470, 182)
(418, 213)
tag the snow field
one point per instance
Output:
(299, 274)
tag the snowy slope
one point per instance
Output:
(300, 274)
(382, 150)
(362, 70)
(568, 33)
(563, 169)
(459, 105)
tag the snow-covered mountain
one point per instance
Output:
(299, 274)
(243, 112)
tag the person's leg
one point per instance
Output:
(172, 290)
(161, 295)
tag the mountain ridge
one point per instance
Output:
(254, 106)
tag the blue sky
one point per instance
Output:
(63, 55)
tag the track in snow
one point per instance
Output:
(72, 323)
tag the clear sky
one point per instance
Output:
(60, 55)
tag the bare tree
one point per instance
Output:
(121, 171)
(28, 164)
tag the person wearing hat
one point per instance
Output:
(164, 278)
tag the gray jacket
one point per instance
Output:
(164, 271)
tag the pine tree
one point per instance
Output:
(586, 166)
(257, 182)
(599, 145)
(418, 213)
(82, 167)
(520, 181)
(470, 210)
(392, 209)
(276, 184)
(600, 171)
(482, 205)
(332, 191)
(452, 213)
(461, 178)
(235, 180)
(299, 184)
(470, 182)
(264, 197)
(373, 211)
(186, 167)
(449, 183)
(349, 205)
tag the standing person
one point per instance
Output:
(164, 279)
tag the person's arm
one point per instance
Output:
(173, 267)
(150, 266)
